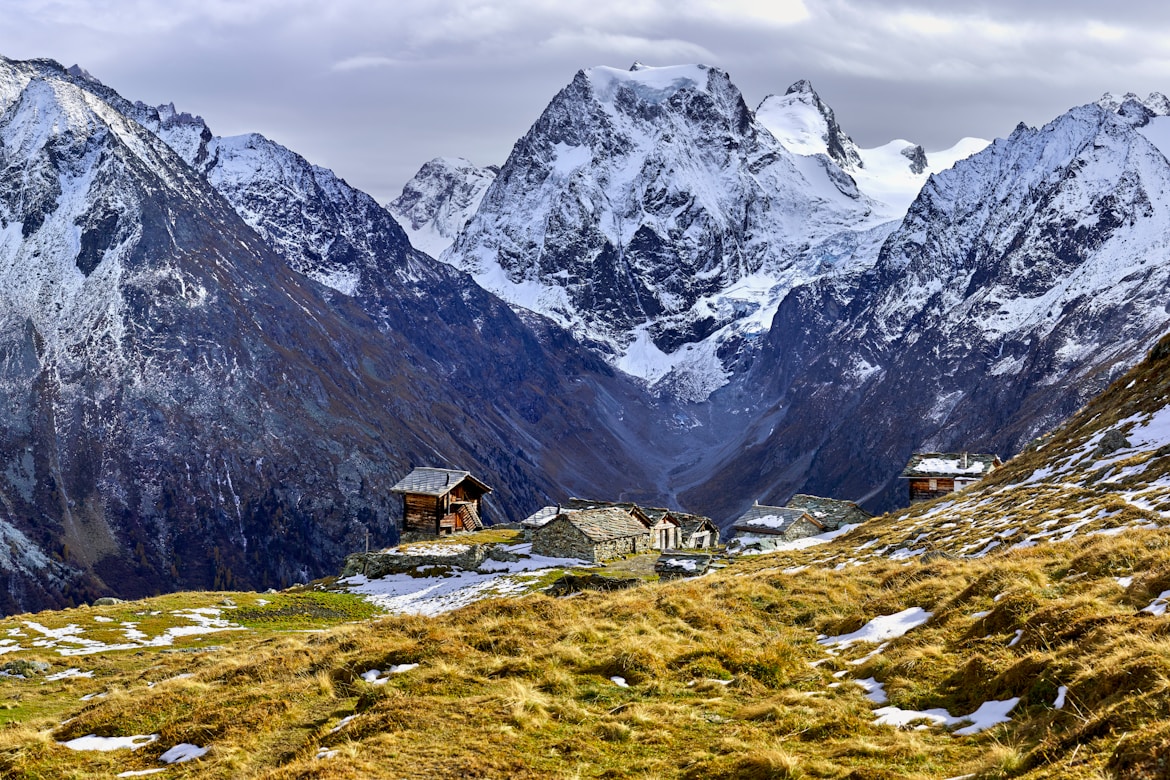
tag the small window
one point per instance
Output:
(934, 484)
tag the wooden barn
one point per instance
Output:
(437, 502)
(594, 535)
(934, 474)
(777, 521)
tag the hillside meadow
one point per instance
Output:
(721, 676)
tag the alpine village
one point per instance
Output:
(692, 438)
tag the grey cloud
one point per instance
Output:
(373, 90)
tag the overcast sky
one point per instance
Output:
(373, 89)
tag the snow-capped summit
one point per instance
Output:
(1157, 103)
(891, 174)
(648, 211)
(78, 72)
(805, 124)
(439, 200)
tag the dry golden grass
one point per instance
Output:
(719, 673)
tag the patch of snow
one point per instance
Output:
(182, 752)
(72, 672)
(881, 628)
(1061, 696)
(874, 690)
(619, 681)
(374, 676)
(1016, 639)
(94, 742)
(404, 594)
(1158, 606)
(342, 724)
(989, 714)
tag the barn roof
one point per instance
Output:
(763, 519)
(829, 511)
(950, 464)
(605, 524)
(435, 482)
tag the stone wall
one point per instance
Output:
(380, 564)
(800, 529)
(561, 539)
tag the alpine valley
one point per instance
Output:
(216, 357)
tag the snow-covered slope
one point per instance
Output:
(647, 211)
(891, 174)
(805, 125)
(1021, 281)
(436, 204)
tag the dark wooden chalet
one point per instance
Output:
(832, 513)
(436, 502)
(788, 524)
(934, 474)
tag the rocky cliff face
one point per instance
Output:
(182, 408)
(1021, 282)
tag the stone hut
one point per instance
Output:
(594, 535)
(829, 512)
(670, 529)
(696, 532)
(777, 521)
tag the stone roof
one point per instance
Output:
(829, 512)
(604, 524)
(950, 464)
(542, 516)
(763, 519)
(689, 523)
(652, 513)
(435, 482)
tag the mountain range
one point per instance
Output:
(216, 357)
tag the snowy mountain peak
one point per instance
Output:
(638, 66)
(78, 72)
(805, 125)
(648, 212)
(646, 84)
(803, 86)
(891, 174)
(437, 202)
(1157, 103)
